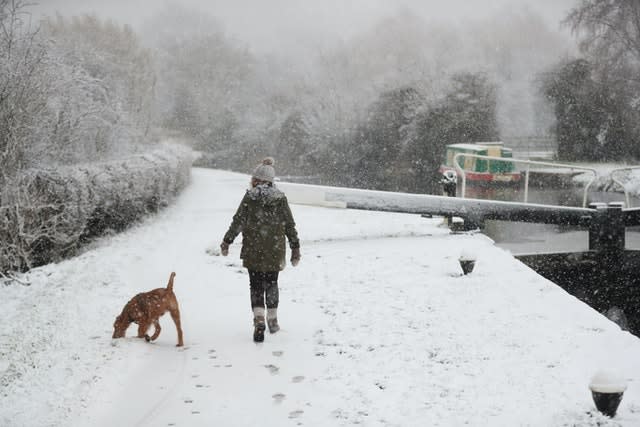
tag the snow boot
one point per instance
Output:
(258, 324)
(258, 328)
(272, 320)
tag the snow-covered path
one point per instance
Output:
(379, 328)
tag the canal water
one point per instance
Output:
(560, 253)
(528, 238)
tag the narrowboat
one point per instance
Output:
(482, 171)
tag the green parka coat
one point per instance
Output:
(264, 219)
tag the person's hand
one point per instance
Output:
(295, 256)
(224, 248)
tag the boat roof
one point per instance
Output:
(476, 146)
(489, 143)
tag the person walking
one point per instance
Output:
(264, 219)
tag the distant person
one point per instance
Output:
(449, 183)
(264, 219)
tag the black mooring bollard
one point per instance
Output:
(607, 391)
(467, 265)
(607, 403)
(467, 262)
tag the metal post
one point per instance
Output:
(607, 229)
(526, 184)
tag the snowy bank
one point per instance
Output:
(379, 328)
(615, 179)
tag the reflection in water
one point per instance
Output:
(528, 238)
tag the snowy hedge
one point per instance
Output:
(47, 215)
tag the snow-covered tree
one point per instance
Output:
(593, 118)
(609, 30)
(293, 145)
(381, 138)
(597, 97)
(23, 87)
(202, 77)
(121, 70)
(466, 113)
(71, 92)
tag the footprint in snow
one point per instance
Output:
(278, 397)
(298, 379)
(277, 353)
(296, 414)
(273, 369)
(212, 251)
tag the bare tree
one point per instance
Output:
(203, 86)
(107, 61)
(22, 57)
(69, 92)
(611, 30)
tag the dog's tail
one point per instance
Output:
(170, 284)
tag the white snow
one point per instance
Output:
(607, 382)
(379, 328)
(467, 255)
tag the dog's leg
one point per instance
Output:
(142, 331)
(156, 324)
(175, 315)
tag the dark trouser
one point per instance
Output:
(264, 285)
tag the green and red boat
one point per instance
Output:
(481, 171)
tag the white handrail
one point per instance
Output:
(461, 171)
(626, 193)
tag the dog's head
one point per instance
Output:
(120, 326)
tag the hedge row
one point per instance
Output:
(46, 215)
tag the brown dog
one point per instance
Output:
(145, 309)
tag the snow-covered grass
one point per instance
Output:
(379, 328)
(627, 175)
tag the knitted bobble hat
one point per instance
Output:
(265, 171)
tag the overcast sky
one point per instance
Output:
(272, 24)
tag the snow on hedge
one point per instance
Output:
(46, 215)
